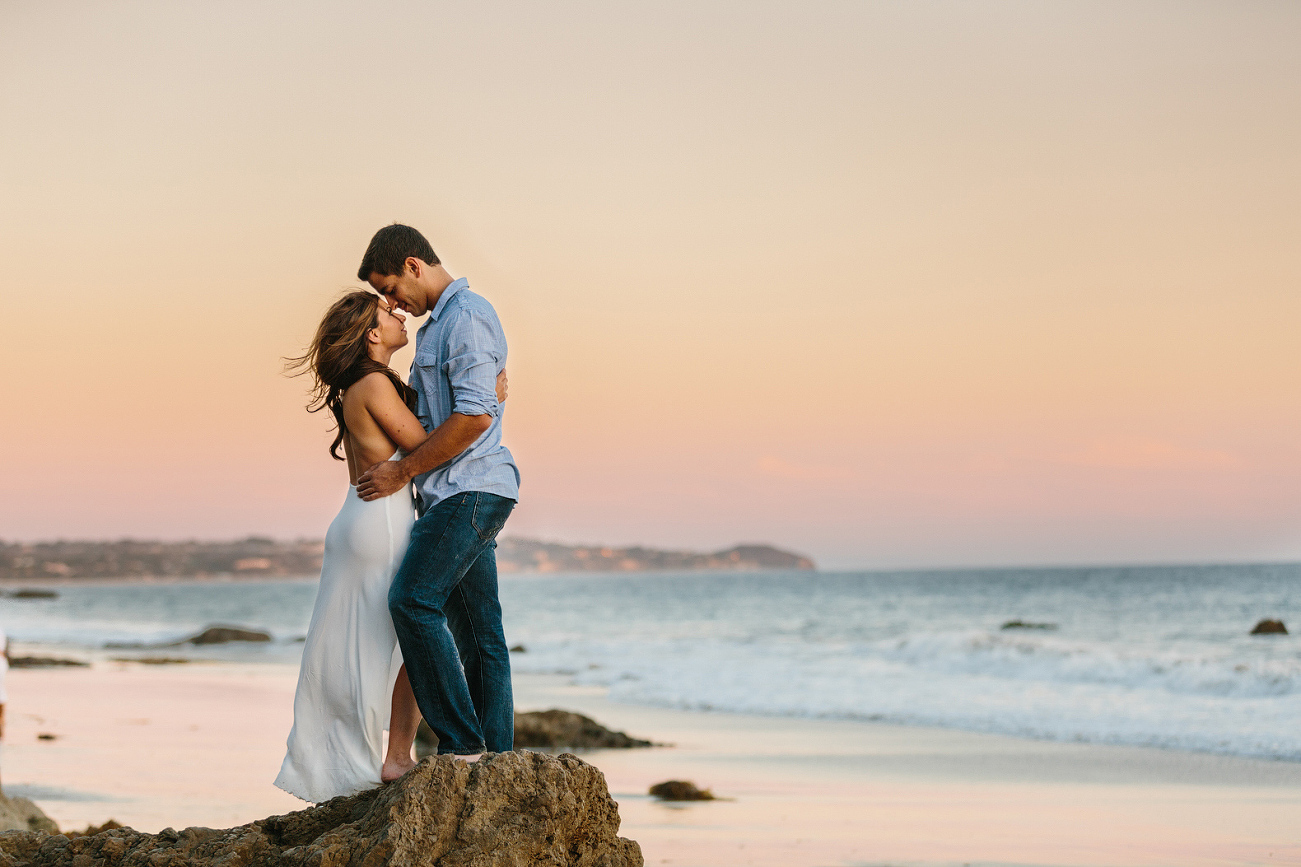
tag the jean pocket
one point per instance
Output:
(489, 515)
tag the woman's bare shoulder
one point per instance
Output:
(375, 384)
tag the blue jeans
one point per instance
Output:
(448, 620)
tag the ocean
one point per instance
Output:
(1155, 656)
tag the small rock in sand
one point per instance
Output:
(1269, 627)
(33, 594)
(46, 736)
(681, 790)
(211, 635)
(1022, 624)
(223, 634)
(44, 662)
(519, 648)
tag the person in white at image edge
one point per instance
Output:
(4, 672)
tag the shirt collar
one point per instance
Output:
(452, 288)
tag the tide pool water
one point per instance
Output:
(1157, 656)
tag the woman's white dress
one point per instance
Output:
(350, 658)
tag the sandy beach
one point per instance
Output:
(198, 744)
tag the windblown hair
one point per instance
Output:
(389, 250)
(337, 357)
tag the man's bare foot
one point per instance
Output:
(394, 768)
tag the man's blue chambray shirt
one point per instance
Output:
(459, 352)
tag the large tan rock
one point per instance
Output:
(508, 810)
(20, 814)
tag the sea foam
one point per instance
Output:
(1152, 656)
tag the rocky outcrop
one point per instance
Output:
(20, 814)
(1269, 627)
(549, 730)
(507, 810)
(1024, 624)
(562, 728)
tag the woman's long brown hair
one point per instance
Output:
(337, 357)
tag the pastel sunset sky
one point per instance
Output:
(885, 283)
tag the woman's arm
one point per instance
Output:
(386, 407)
(388, 410)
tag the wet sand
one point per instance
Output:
(198, 744)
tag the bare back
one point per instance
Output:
(377, 424)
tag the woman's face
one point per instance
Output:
(391, 327)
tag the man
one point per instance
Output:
(444, 596)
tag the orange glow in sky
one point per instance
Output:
(889, 284)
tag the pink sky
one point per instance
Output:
(892, 284)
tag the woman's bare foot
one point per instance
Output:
(395, 768)
(403, 723)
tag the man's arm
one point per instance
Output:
(445, 442)
(395, 409)
(472, 367)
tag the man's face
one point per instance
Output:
(403, 291)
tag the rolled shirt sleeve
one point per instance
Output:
(459, 352)
(473, 362)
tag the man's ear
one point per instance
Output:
(414, 265)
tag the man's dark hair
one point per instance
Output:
(390, 249)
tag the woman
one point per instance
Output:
(352, 684)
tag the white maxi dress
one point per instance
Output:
(351, 656)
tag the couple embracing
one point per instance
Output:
(407, 622)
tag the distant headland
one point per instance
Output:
(258, 556)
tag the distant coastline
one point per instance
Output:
(259, 556)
